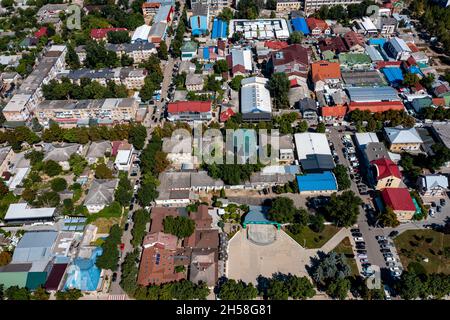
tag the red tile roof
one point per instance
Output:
(352, 38)
(224, 116)
(438, 101)
(378, 106)
(102, 33)
(386, 168)
(398, 199)
(157, 216)
(413, 47)
(41, 32)
(293, 53)
(335, 44)
(383, 64)
(276, 45)
(314, 23)
(151, 5)
(322, 70)
(189, 106)
(334, 111)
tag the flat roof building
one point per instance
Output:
(313, 151)
(255, 99)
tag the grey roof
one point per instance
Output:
(434, 181)
(375, 150)
(372, 94)
(34, 246)
(194, 79)
(107, 73)
(127, 47)
(98, 149)
(59, 153)
(101, 192)
(399, 45)
(402, 135)
(199, 9)
(363, 78)
(317, 162)
(158, 29)
(16, 267)
(307, 104)
(203, 267)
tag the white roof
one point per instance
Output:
(20, 175)
(17, 102)
(400, 45)
(367, 24)
(242, 57)
(141, 33)
(400, 135)
(434, 180)
(255, 97)
(122, 156)
(18, 211)
(308, 143)
(366, 137)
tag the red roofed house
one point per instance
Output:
(225, 115)
(386, 174)
(334, 111)
(335, 44)
(325, 73)
(41, 32)
(150, 8)
(102, 34)
(400, 201)
(354, 41)
(275, 44)
(376, 106)
(292, 60)
(317, 26)
(189, 111)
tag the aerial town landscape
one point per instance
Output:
(224, 150)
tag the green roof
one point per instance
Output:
(328, 55)
(351, 59)
(10, 279)
(36, 279)
(190, 46)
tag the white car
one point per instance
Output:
(358, 239)
(389, 259)
(362, 256)
(431, 213)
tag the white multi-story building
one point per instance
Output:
(30, 94)
(313, 5)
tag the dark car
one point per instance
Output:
(114, 277)
(126, 226)
(433, 204)
(385, 250)
(131, 207)
(355, 230)
(439, 209)
(361, 251)
(442, 202)
(356, 234)
(393, 234)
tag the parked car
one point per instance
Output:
(355, 230)
(385, 250)
(385, 246)
(358, 239)
(362, 256)
(393, 234)
(126, 226)
(433, 204)
(357, 234)
(364, 260)
(361, 251)
(442, 202)
(439, 209)
(389, 259)
(431, 213)
(380, 238)
(114, 277)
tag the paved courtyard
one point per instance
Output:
(246, 260)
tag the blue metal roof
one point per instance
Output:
(324, 181)
(220, 29)
(258, 215)
(199, 25)
(415, 70)
(299, 24)
(377, 41)
(206, 53)
(393, 75)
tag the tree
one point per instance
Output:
(343, 209)
(5, 258)
(282, 210)
(388, 218)
(330, 268)
(138, 135)
(236, 290)
(7, 3)
(98, 57)
(277, 290)
(162, 51)
(124, 191)
(342, 178)
(226, 14)
(147, 90)
(16, 293)
(129, 272)
(77, 164)
(410, 79)
(117, 37)
(220, 66)
(279, 85)
(40, 294)
(140, 219)
(296, 37)
(339, 289)
(70, 294)
(103, 172)
(52, 168)
(34, 156)
(410, 286)
(58, 184)
(321, 127)
(300, 287)
(181, 227)
(316, 223)
(48, 199)
(110, 255)
(302, 126)
(235, 83)
(72, 59)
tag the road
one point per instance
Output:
(156, 112)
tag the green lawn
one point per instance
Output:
(414, 246)
(345, 247)
(310, 239)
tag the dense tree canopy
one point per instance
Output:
(231, 289)
(110, 256)
(279, 87)
(179, 226)
(343, 209)
(342, 177)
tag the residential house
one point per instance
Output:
(397, 49)
(61, 153)
(123, 152)
(292, 60)
(433, 185)
(354, 42)
(188, 50)
(101, 194)
(318, 27)
(241, 61)
(324, 73)
(386, 174)
(194, 82)
(97, 150)
(308, 108)
(400, 201)
(189, 111)
(403, 139)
